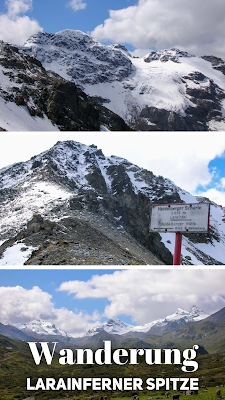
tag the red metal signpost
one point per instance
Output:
(177, 249)
(179, 218)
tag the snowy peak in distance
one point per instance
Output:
(115, 326)
(166, 55)
(197, 314)
(41, 327)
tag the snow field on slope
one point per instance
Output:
(17, 118)
(14, 255)
(39, 198)
(155, 84)
(42, 327)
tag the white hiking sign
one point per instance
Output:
(180, 217)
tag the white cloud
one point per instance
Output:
(222, 182)
(16, 28)
(19, 305)
(77, 5)
(16, 7)
(194, 26)
(215, 195)
(146, 295)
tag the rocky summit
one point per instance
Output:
(71, 205)
(69, 81)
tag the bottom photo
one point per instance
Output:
(100, 334)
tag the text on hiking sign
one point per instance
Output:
(180, 217)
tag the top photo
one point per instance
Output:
(87, 65)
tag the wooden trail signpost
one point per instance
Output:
(179, 218)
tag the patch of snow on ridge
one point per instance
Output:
(41, 327)
(16, 254)
(34, 198)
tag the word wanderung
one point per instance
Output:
(107, 356)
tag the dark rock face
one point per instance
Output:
(46, 93)
(217, 63)
(87, 60)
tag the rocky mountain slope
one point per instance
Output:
(72, 205)
(32, 99)
(165, 90)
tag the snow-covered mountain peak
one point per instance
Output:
(180, 317)
(41, 327)
(78, 57)
(143, 91)
(197, 314)
(113, 326)
(166, 55)
(72, 176)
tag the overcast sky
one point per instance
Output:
(195, 26)
(193, 161)
(75, 300)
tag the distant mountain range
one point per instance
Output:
(39, 328)
(180, 317)
(70, 81)
(71, 205)
(180, 329)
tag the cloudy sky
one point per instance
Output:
(195, 26)
(193, 161)
(75, 300)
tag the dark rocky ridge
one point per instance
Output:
(46, 93)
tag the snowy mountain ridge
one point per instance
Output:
(41, 327)
(167, 90)
(42, 198)
(118, 327)
(113, 325)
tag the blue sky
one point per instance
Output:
(76, 300)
